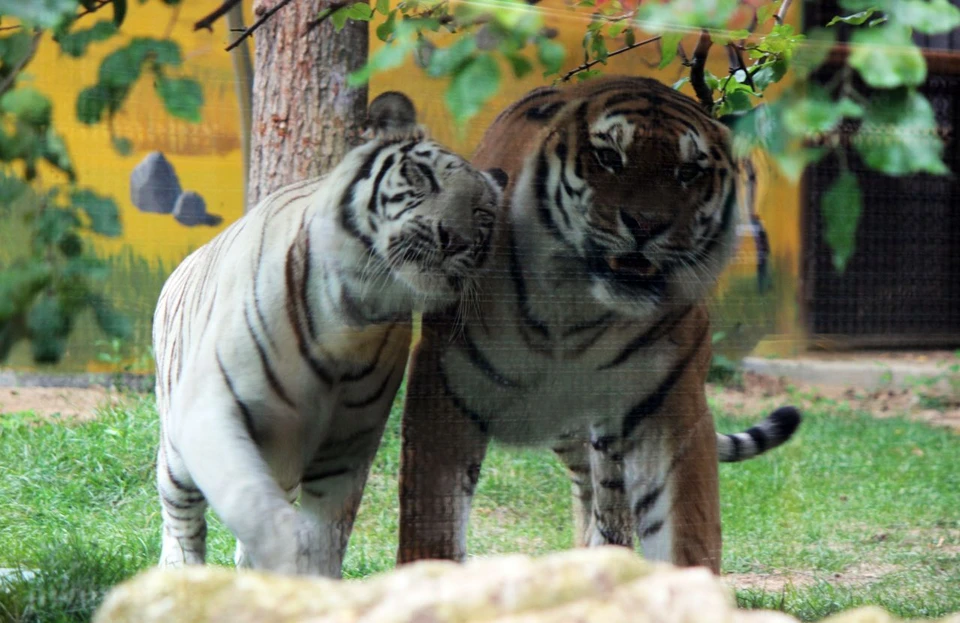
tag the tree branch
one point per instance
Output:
(93, 10)
(587, 65)
(18, 67)
(333, 7)
(206, 23)
(257, 24)
(782, 11)
(698, 66)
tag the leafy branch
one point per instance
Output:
(57, 275)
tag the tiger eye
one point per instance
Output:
(688, 172)
(609, 158)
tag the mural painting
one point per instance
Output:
(181, 183)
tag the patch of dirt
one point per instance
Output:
(79, 403)
(861, 574)
(773, 582)
(763, 393)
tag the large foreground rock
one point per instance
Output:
(603, 585)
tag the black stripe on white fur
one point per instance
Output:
(774, 430)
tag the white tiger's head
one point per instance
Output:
(424, 214)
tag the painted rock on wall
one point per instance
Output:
(154, 186)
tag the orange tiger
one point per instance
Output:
(589, 332)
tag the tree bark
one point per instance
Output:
(305, 117)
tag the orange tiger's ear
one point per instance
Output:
(500, 177)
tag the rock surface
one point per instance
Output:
(154, 186)
(602, 585)
(190, 210)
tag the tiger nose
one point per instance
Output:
(451, 242)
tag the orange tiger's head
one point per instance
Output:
(630, 178)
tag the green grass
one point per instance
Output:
(855, 510)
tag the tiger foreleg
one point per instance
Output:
(443, 451)
(611, 522)
(240, 487)
(672, 481)
(241, 559)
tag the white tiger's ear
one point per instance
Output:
(391, 114)
(499, 176)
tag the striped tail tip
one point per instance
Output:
(775, 429)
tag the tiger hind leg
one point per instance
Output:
(183, 510)
(572, 452)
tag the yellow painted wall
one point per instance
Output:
(206, 156)
(207, 159)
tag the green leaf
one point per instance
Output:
(19, 285)
(15, 47)
(122, 145)
(42, 13)
(182, 97)
(931, 17)
(899, 135)
(736, 101)
(383, 7)
(520, 65)
(855, 20)
(55, 152)
(75, 43)
(91, 102)
(886, 57)
(358, 11)
(119, 12)
(52, 225)
(445, 61)
(809, 56)
(766, 11)
(48, 325)
(120, 68)
(598, 46)
(102, 211)
(389, 56)
(841, 207)
(583, 76)
(11, 189)
(551, 55)
(663, 17)
(110, 321)
(71, 245)
(163, 52)
(768, 74)
(472, 87)
(817, 113)
(385, 29)
(29, 104)
(668, 47)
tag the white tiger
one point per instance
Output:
(281, 343)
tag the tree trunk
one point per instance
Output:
(305, 117)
